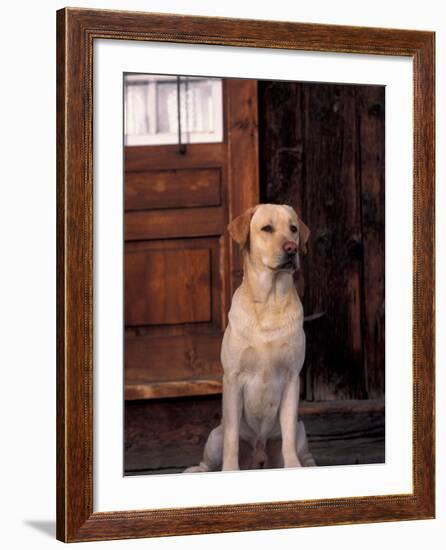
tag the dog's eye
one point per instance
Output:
(293, 229)
(268, 228)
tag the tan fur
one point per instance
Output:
(304, 233)
(239, 228)
(262, 352)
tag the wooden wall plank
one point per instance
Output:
(332, 205)
(371, 108)
(281, 144)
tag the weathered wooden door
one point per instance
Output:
(323, 152)
(180, 267)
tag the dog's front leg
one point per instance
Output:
(232, 410)
(288, 422)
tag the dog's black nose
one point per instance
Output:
(290, 248)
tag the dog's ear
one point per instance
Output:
(304, 232)
(239, 227)
(304, 235)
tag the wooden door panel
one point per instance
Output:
(171, 224)
(183, 188)
(167, 287)
(212, 247)
(166, 157)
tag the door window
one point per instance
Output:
(162, 110)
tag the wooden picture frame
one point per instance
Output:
(76, 31)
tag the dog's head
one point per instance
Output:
(272, 234)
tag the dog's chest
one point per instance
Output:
(264, 372)
(263, 347)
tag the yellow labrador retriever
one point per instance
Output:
(263, 350)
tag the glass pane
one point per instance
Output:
(136, 116)
(199, 106)
(152, 107)
(167, 108)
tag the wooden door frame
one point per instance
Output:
(243, 161)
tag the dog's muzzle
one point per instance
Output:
(290, 264)
(290, 257)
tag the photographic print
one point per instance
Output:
(253, 327)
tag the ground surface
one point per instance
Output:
(167, 436)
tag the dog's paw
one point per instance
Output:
(291, 462)
(194, 469)
(308, 461)
(230, 465)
